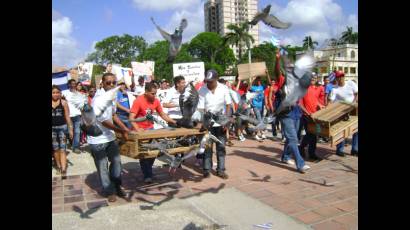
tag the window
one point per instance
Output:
(340, 68)
(346, 70)
(338, 54)
(352, 54)
(323, 69)
(352, 70)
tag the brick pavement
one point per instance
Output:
(326, 197)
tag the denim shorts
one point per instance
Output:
(58, 136)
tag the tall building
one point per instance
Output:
(220, 13)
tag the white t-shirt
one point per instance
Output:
(214, 102)
(345, 93)
(73, 110)
(161, 95)
(173, 97)
(108, 135)
(139, 90)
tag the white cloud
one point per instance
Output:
(161, 5)
(195, 18)
(321, 19)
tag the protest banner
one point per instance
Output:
(246, 71)
(193, 71)
(123, 74)
(145, 69)
(230, 79)
(85, 71)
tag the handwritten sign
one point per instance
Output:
(193, 71)
(246, 71)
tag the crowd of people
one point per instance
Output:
(161, 98)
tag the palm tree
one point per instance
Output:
(239, 36)
(309, 43)
(349, 37)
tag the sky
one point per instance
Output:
(78, 24)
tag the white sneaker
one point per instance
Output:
(290, 162)
(242, 138)
(258, 138)
(306, 167)
(263, 136)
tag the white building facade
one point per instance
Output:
(343, 57)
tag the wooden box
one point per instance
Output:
(337, 122)
(132, 148)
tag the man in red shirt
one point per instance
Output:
(309, 104)
(143, 104)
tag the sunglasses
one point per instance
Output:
(110, 82)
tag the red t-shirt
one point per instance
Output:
(242, 89)
(199, 85)
(311, 100)
(140, 107)
(322, 94)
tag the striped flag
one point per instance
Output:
(60, 79)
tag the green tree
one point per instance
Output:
(118, 49)
(209, 47)
(239, 37)
(265, 52)
(158, 52)
(349, 37)
(309, 43)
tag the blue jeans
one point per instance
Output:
(220, 151)
(258, 113)
(355, 144)
(309, 139)
(124, 119)
(76, 131)
(146, 165)
(110, 177)
(290, 127)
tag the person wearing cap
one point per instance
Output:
(331, 82)
(214, 97)
(345, 91)
(309, 104)
(123, 104)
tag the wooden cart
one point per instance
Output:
(336, 122)
(132, 148)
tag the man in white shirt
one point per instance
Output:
(171, 102)
(215, 97)
(104, 149)
(139, 89)
(75, 114)
(345, 91)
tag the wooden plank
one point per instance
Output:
(343, 125)
(160, 133)
(173, 151)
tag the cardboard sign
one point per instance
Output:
(246, 71)
(123, 74)
(230, 79)
(142, 69)
(85, 71)
(193, 71)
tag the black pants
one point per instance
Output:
(310, 139)
(220, 151)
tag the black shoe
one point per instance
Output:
(341, 154)
(77, 151)
(207, 175)
(314, 157)
(120, 192)
(222, 175)
(64, 175)
(354, 153)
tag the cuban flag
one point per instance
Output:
(60, 79)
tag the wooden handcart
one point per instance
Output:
(133, 148)
(336, 122)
